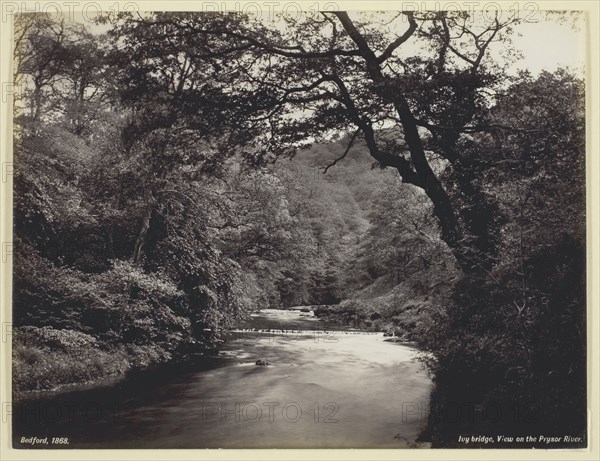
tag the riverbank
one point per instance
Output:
(49, 359)
(399, 322)
(342, 389)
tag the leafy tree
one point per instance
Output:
(349, 86)
(518, 339)
(150, 213)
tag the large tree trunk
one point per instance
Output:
(479, 213)
(469, 220)
(465, 227)
(427, 180)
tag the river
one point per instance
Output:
(323, 389)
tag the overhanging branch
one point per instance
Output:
(350, 144)
(400, 40)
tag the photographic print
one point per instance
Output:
(302, 226)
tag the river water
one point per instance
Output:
(325, 387)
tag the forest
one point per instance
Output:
(175, 172)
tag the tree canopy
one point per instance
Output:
(183, 169)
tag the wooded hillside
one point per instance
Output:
(181, 170)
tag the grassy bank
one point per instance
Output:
(47, 358)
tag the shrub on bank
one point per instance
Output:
(391, 314)
(526, 363)
(47, 358)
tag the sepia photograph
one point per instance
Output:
(298, 227)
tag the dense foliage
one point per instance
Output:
(184, 169)
(516, 343)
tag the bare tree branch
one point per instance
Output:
(400, 40)
(350, 144)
